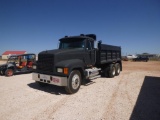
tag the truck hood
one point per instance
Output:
(62, 54)
(60, 51)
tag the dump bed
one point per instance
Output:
(108, 54)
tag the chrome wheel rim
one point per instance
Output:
(114, 71)
(75, 81)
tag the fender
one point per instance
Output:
(71, 64)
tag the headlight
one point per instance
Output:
(34, 67)
(60, 70)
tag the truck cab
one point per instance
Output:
(84, 44)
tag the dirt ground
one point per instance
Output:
(133, 95)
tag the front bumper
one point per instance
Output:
(49, 79)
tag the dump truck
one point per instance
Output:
(78, 59)
(141, 58)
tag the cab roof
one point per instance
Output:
(92, 37)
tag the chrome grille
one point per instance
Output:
(45, 62)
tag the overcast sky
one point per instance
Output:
(36, 25)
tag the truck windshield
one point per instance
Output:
(72, 44)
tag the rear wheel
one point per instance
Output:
(117, 65)
(74, 82)
(112, 71)
(9, 72)
(106, 72)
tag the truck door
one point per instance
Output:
(90, 53)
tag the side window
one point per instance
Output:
(89, 45)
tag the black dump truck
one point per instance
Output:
(78, 59)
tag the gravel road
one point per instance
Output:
(133, 95)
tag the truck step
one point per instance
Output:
(95, 77)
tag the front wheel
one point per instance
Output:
(74, 82)
(9, 72)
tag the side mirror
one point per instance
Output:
(97, 44)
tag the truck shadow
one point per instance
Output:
(52, 89)
(88, 82)
(147, 106)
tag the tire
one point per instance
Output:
(41, 84)
(112, 71)
(74, 82)
(106, 72)
(118, 69)
(9, 72)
